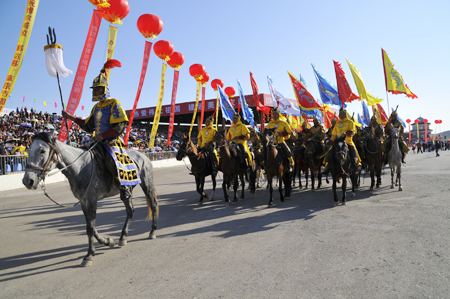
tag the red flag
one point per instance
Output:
(304, 99)
(203, 106)
(259, 106)
(345, 92)
(384, 117)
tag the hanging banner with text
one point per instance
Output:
(21, 49)
(199, 84)
(112, 35)
(172, 105)
(151, 143)
(203, 108)
(80, 76)
(147, 51)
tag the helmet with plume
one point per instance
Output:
(102, 81)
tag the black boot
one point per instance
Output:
(403, 158)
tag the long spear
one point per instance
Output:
(55, 64)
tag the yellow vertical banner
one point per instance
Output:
(112, 35)
(151, 144)
(199, 85)
(19, 54)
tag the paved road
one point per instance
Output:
(383, 244)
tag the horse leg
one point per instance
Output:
(372, 176)
(344, 189)
(287, 185)
(90, 212)
(392, 176)
(269, 184)
(241, 177)
(213, 179)
(378, 174)
(306, 178)
(334, 191)
(399, 175)
(128, 202)
(280, 186)
(225, 183)
(149, 190)
(319, 177)
(313, 179)
(235, 188)
(198, 184)
(299, 178)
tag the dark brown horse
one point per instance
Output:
(373, 156)
(232, 168)
(301, 164)
(341, 168)
(313, 152)
(275, 165)
(201, 166)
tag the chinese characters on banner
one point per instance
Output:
(27, 27)
(172, 105)
(158, 107)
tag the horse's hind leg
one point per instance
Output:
(213, 179)
(128, 202)
(399, 175)
(241, 177)
(392, 177)
(152, 202)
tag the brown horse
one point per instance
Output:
(275, 165)
(373, 156)
(232, 168)
(301, 164)
(201, 166)
(313, 150)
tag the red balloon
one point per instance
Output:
(425, 121)
(163, 49)
(216, 82)
(436, 121)
(117, 10)
(417, 121)
(176, 60)
(230, 91)
(197, 71)
(149, 25)
(205, 79)
(440, 121)
(408, 121)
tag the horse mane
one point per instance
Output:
(45, 137)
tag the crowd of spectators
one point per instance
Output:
(18, 127)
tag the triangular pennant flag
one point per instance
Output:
(345, 92)
(304, 99)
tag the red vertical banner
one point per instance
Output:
(147, 51)
(203, 107)
(80, 76)
(172, 105)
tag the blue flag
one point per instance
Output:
(366, 115)
(328, 94)
(398, 117)
(246, 111)
(360, 120)
(225, 105)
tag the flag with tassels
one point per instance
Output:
(304, 99)
(363, 94)
(345, 92)
(328, 94)
(361, 121)
(394, 81)
(381, 116)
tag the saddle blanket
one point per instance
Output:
(127, 171)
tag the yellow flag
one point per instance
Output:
(199, 85)
(363, 94)
(112, 35)
(45, 103)
(394, 81)
(21, 49)
(158, 107)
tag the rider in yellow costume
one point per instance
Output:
(239, 133)
(317, 132)
(393, 122)
(282, 131)
(108, 121)
(205, 140)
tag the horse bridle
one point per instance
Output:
(44, 170)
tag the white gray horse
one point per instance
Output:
(395, 160)
(89, 182)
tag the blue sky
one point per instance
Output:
(231, 38)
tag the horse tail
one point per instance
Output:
(152, 205)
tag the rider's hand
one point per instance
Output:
(98, 137)
(349, 133)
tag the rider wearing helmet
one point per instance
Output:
(206, 140)
(393, 122)
(282, 131)
(239, 133)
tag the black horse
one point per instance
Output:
(373, 156)
(341, 167)
(313, 152)
(201, 166)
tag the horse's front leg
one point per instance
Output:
(319, 177)
(213, 179)
(392, 177)
(313, 179)
(399, 176)
(344, 189)
(306, 178)
(334, 191)
(269, 184)
(128, 202)
(287, 185)
(235, 188)
(241, 177)
(280, 187)
(372, 176)
(225, 183)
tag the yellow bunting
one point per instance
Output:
(199, 85)
(158, 107)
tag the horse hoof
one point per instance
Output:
(400, 188)
(287, 197)
(336, 203)
(110, 243)
(392, 186)
(344, 203)
(152, 236)
(353, 194)
(270, 205)
(86, 263)
(371, 188)
(122, 243)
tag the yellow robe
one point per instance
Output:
(280, 126)
(239, 129)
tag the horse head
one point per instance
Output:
(311, 148)
(340, 150)
(395, 133)
(42, 158)
(185, 148)
(368, 132)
